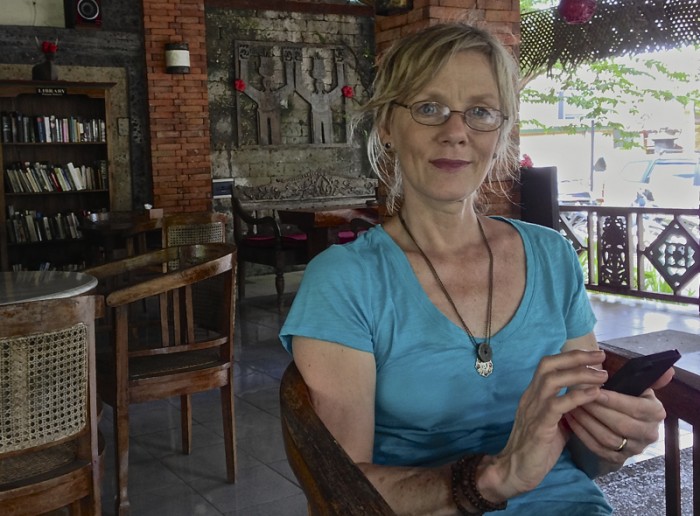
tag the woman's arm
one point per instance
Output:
(600, 427)
(342, 381)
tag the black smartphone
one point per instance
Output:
(639, 373)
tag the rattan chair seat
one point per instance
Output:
(23, 467)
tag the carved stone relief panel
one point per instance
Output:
(292, 94)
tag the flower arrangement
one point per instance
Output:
(526, 162)
(347, 92)
(48, 48)
(239, 84)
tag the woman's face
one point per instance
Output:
(448, 162)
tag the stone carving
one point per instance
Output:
(315, 73)
(319, 99)
(269, 101)
(307, 187)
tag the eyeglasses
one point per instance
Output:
(479, 118)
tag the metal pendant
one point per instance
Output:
(483, 351)
(483, 368)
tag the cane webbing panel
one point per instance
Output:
(212, 232)
(618, 27)
(43, 387)
(196, 234)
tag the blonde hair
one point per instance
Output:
(409, 65)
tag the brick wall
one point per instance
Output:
(501, 17)
(178, 107)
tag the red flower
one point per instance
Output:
(526, 162)
(348, 92)
(48, 47)
(575, 12)
(239, 84)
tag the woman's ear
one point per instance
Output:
(384, 136)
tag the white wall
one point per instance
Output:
(35, 13)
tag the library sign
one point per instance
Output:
(52, 92)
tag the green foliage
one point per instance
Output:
(609, 90)
(654, 282)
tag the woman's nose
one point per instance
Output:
(455, 129)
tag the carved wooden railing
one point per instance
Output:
(635, 251)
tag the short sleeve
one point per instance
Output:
(333, 301)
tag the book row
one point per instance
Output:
(44, 177)
(19, 128)
(30, 226)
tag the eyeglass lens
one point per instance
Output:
(478, 117)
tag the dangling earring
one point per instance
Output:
(387, 145)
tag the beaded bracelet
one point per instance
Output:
(456, 481)
(468, 466)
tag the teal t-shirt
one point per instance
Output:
(431, 405)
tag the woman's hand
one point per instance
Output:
(613, 419)
(537, 438)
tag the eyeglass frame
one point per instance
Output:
(504, 117)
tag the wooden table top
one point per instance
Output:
(25, 286)
(647, 343)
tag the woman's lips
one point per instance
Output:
(449, 164)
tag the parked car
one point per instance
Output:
(575, 192)
(665, 181)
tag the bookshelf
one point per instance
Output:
(55, 157)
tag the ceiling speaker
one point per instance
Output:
(83, 13)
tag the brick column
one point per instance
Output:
(178, 107)
(501, 17)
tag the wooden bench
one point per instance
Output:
(263, 239)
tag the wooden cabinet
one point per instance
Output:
(55, 157)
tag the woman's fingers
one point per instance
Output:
(613, 418)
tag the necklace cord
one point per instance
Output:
(489, 307)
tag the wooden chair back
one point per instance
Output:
(681, 399)
(331, 481)
(49, 445)
(194, 228)
(165, 351)
(260, 240)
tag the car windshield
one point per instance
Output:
(664, 171)
(634, 171)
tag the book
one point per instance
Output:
(31, 229)
(75, 176)
(103, 175)
(47, 129)
(53, 128)
(13, 127)
(6, 125)
(47, 228)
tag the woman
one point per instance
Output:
(452, 355)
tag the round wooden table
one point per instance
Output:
(24, 286)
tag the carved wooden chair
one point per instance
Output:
(50, 450)
(172, 354)
(331, 481)
(357, 227)
(260, 240)
(681, 399)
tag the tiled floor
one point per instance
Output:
(165, 482)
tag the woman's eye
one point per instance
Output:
(480, 112)
(428, 109)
